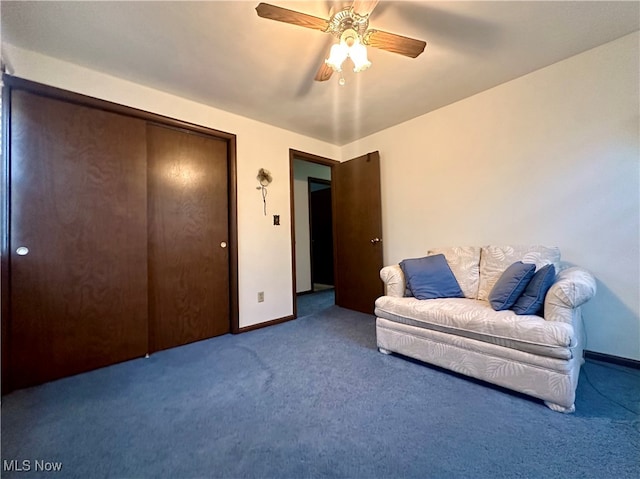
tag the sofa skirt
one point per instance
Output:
(550, 379)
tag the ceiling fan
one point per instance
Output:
(351, 26)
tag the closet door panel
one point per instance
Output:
(188, 222)
(78, 298)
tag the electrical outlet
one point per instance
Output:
(261, 297)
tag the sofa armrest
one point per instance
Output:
(394, 283)
(572, 288)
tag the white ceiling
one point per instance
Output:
(222, 54)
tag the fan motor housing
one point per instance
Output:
(347, 19)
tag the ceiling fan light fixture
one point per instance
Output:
(349, 37)
(350, 46)
(358, 54)
(338, 54)
(350, 25)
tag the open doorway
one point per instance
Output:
(313, 233)
(357, 228)
(321, 234)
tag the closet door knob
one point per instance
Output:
(375, 240)
(223, 244)
(22, 251)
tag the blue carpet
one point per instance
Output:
(313, 398)
(315, 302)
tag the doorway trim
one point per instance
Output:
(320, 160)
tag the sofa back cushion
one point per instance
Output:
(464, 262)
(494, 260)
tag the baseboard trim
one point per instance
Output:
(608, 358)
(265, 324)
(302, 293)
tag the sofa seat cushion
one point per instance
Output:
(400, 337)
(476, 319)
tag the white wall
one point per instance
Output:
(264, 250)
(549, 158)
(302, 171)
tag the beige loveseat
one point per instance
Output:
(538, 356)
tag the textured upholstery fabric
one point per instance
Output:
(556, 386)
(393, 279)
(538, 356)
(495, 350)
(495, 259)
(573, 287)
(465, 265)
(476, 319)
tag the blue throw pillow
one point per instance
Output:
(511, 285)
(430, 277)
(532, 300)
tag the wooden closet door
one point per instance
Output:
(78, 297)
(188, 232)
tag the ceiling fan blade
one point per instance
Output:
(279, 14)
(364, 7)
(324, 72)
(394, 43)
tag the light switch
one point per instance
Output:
(276, 220)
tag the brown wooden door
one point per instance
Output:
(78, 297)
(188, 222)
(358, 230)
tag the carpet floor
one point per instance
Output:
(313, 398)
(315, 302)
